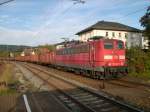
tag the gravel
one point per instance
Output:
(28, 79)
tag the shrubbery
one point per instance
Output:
(138, 62)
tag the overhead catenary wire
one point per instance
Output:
(61, 14)
(5, 2)
(131, 13)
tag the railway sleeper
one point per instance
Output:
(106, 108)
(71, 105)
(67, 101)
(101, 105)
(76, 90)
(110, 109)
(80, 94)
(87, 96)
(84, 96)
(94, 102)
(88, 100)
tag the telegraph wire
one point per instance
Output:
(6, 2)
(131, 13)
(74, 3)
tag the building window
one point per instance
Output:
(126, 35)
(119, 34)
(120, 45)
(113, 34)
(106, 34)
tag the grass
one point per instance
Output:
(7, 77)
(144, 75)
(7, 91)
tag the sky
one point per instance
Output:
(38, 22)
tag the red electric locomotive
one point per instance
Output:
(98, 58)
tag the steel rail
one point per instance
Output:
(134, 83)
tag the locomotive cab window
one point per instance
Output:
(120, 45)
(108, 45)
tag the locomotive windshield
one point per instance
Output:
(108, 45)
(120, 45)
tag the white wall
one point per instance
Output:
(85, 36)
(132, 39)
(145, 43)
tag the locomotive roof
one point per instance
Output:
(86, 43)
(105, 25)
(68, 42)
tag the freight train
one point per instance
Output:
(102, 58)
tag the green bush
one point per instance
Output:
(138, 61)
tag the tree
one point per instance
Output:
(145, 22)
(49, 47)
(138, 62)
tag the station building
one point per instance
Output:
(113, 30)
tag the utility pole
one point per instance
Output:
(7, 53)
(65, 41)
(79, 1)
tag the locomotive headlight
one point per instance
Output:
(109, 64)
(122, 63)
(121, 57)
(107, 56)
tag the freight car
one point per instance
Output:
(100, 58)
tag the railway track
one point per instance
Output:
(134, 83)
(123, 83)
(126, 83)
(78, 97)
